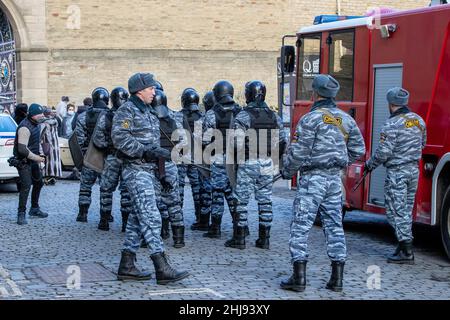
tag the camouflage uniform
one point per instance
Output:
(191, 172)
(402, 139)
(220, 182)
(320, 152)
(88, 176)
(135, 129)
(112, 170)
(255, 174)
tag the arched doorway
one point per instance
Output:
(8, 94)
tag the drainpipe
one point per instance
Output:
(338, 7)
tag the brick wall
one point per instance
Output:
(185, 43)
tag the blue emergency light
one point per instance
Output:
(326, 18)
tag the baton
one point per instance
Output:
(360, 181)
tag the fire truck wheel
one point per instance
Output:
(445, 221)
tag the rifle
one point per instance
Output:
(206, 172)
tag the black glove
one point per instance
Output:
(166, 186)
(155, 153)
(367, 168)
(285, 175)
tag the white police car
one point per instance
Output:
(7, 135)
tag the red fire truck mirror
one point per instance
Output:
(288, 59)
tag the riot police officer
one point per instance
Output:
(112, 170)
(136, 136)
(84, 129)
(166, 186)
(402, 139)
(189, 115)
(205, 180)
(219, 118)
(256, 173)
(326, 141)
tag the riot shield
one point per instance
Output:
(75, 151)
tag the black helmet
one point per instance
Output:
(255, 91)
(190, 99)
(223, 92)
(159, 86)
(119, 96)
(208, 100)
(100, 94)
(159, 104)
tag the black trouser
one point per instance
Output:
(30, 175)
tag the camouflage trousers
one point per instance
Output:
(221, 188)
(194, 180)
(168, 201)
(318, 193)
(87, 181)
(255, 177)
(400, 192)
(145, 219)
(205, 195)
(111, 176)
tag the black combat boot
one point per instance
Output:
(238, 240)
(127, 269)
(21, 218)
(36, 212)
(337, 276)
(203, 224)
(165, 234)
(214, 228)
(164, 272)
(104, 218)
(178, 236)
(124, 221)
(297, 282)
(403, 254)
(264, 235)
(83, 213)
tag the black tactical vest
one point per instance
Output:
(108, 128)
(33, 142)
(92, 115)
(168, 126)
(261, 118)
(190, 119)
(223, 120)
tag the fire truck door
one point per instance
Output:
(385, 77)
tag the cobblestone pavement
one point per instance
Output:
(33, 253)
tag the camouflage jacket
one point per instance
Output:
(402, 139)
(326, 138)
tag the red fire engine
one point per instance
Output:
(368, 56)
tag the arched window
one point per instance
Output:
(7, 64)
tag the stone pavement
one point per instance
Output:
(35, 258)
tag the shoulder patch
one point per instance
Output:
(412, 123)
(126, 124)
(336, 121)
(382, 137)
